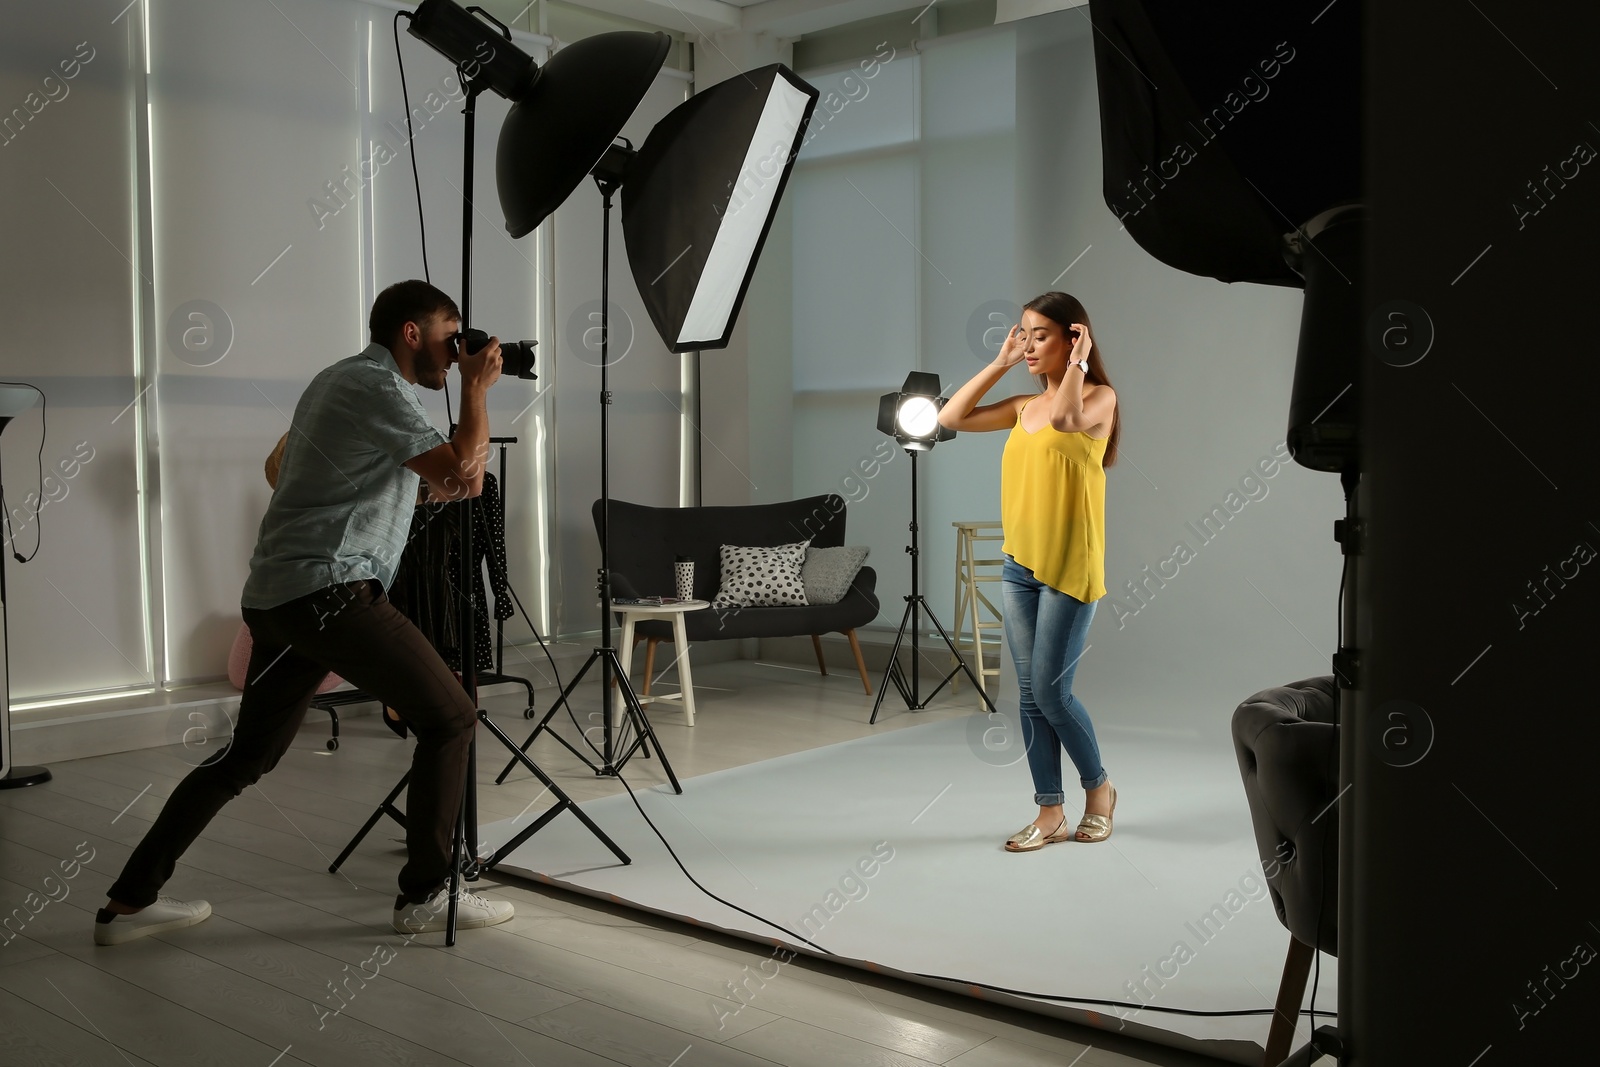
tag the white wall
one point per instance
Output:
(746, 414)
(68, 214)
(202, 181)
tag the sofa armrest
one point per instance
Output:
(866, 583)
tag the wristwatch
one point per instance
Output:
(1081, 364)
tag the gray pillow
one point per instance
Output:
(828, 572)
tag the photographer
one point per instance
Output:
(315, 602)
(1052, 506)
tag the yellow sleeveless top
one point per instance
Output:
(1053, 507)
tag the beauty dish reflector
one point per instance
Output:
(701, 195)
(552, 137)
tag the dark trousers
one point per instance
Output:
(355, 632)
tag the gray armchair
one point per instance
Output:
(1284, 739)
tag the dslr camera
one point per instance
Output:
(516, 357)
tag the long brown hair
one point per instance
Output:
(1064, 310)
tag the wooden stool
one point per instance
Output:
(978, 562)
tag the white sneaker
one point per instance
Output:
(167, 913)
(432, 916)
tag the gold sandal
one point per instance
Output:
(1092, 828)
(1030, 837)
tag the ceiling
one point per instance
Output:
(703, 18)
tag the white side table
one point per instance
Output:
(631, 614)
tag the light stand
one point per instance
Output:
(608, 175)
(464, 862)
(1325, 435)
(911, 418)
(14, 399)
(698, 202)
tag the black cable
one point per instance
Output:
(38, 515)
(778, 926)
(919, 974)
(555, 673)
(411, 143)
(554, 670)
(560, 686)
(696, 882)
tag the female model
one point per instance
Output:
(1052, 506)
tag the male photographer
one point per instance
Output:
(327, 550)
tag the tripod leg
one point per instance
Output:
(619, 707)
(386, 808)
(456, 852)
(470, 802)
(563, 802)
(641, 723)
(961, 663)
(560, 702)
(893, 670)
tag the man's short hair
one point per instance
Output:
(409, 301)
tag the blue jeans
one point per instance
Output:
(1046, 631)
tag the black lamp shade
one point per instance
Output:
(470, 42)
(700, 198)
(911, 416)
(553, 136)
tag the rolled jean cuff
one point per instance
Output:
(1049, 800)
(1096, 783)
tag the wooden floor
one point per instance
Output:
(299, 966)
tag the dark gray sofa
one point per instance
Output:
(646, 540)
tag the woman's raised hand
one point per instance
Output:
(1082, 343)
(1014, 349)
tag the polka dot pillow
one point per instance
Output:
(762, 577)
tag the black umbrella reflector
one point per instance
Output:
(700, 198)
(555, 134)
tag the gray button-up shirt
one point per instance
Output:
(343, 506)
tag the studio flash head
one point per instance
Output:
(516, 357)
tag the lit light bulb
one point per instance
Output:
(918, 417)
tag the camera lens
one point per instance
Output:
(516, 357)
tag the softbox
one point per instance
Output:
(1223, 128)
(1227, 129)
(700, 197)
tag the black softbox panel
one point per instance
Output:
(1225, 126)
(714, 169)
